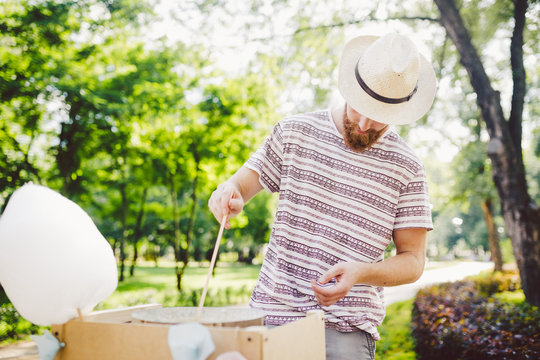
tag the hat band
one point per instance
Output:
(381, 98)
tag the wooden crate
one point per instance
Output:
(114, 335)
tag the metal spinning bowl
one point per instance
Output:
(212, 316)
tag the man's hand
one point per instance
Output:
(230, 197)
(345, 275)
(403, 268)
(226, 200)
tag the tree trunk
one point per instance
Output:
(133, 259)
(189, 230)
(137, 232)
(493, 236)
(67, 157)
(176, 234)
(521, 214)
(124, 232)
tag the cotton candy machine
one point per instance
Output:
(139, 334)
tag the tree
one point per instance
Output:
(494, 245)
(474, 186)
(32, 38)
(252, 228)
(521, 215)
(89, 85)
(124, 130)
(209, 141)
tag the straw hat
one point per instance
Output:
(386, 79)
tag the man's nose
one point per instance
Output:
(364, 123)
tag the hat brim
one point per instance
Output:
(393, 114)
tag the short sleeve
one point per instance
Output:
(267, 161)
(414, 208)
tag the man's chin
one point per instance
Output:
(358, 147)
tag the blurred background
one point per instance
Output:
(137, 110)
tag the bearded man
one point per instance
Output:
(348, 186)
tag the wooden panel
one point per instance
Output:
(112, 336)
(248, 343)
(303, 339)
(97, 340)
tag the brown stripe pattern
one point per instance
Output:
(334, 205)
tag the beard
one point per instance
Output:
(359, 142)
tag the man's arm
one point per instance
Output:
(230, 197)
(403, 268)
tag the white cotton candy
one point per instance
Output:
(190, 341)
(53, 259)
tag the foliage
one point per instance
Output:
(88, 107)
(137, 134)
(507, 251)
(12, 326)
(497, 282)
(463, 320)
(396, 339)
(140, 133)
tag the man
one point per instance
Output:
(348, 186)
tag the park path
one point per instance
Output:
(435, 275)
(24, 350)
(27, 350)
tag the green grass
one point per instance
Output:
(232, 284)
(396, 341)
(515, 298)
(163, 278)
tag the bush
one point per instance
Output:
(497, 282)
(462, 320)
(12, 326)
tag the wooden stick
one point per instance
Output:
(80, 314)
(212, 263)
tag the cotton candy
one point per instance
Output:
(53, 259)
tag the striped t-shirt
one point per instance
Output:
(335, 205)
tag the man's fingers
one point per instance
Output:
(330, 291)
(327, 279)
(235, 205)
(215, 204)
(325, 295)
(332, 274)
(225, 200)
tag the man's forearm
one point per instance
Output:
(247, 183)
(404, 268)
